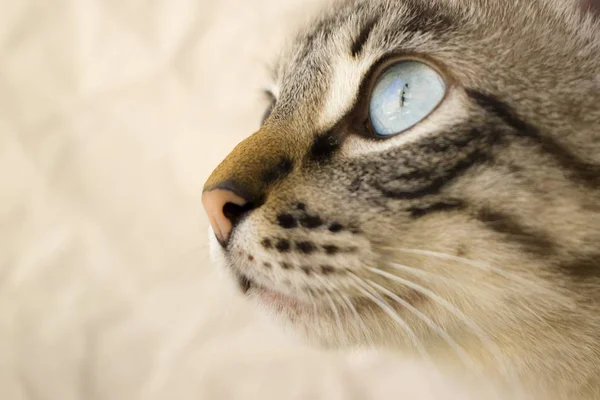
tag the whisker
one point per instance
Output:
(477, 264)
(315, 308)
(314, 305)
(485, 339)
(362, 327)
(347, 302)
(334, 309)
(422, 273)
(462, 354)
(366, 290)
(453, 282)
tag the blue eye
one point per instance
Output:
(404, 95)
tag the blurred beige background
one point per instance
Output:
(112, 114)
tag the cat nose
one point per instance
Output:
(246, 177)
(224, 209)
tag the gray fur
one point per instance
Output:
(507, 189)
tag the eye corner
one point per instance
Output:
(270, 97)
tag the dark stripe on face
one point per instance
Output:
(590, 6)
(362, 38)
(583, 268)
(441, 206)
(428, 17)
(437, 161)
(580, 170)
(282, 169)
(317, 35)
(324, 147)
(438, 180)
(514, 231)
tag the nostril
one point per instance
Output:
(224, 209)
(235, 212)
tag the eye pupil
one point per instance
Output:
(405, 94)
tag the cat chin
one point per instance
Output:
(329, 338)
(324, 332)
(320, 335)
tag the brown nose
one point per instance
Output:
(223, 208)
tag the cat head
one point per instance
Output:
(427, 178)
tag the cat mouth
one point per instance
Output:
(267, 296)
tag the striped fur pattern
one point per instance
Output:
(473, 238)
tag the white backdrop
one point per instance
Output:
(112, 114)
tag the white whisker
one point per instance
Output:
(362, 327)
(477, 264)
(366, 290)
(314, 306)
(336, 292)
(330, 289)
(423, 274)
(462, 354)
(485, 339)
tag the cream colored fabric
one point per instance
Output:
(112, 114)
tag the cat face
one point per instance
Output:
(471, 233)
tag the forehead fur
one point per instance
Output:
(492, 45)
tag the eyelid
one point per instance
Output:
(384, 63)
(378, 69)
(269, 95)
(272, 101)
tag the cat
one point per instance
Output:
(427, 180)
